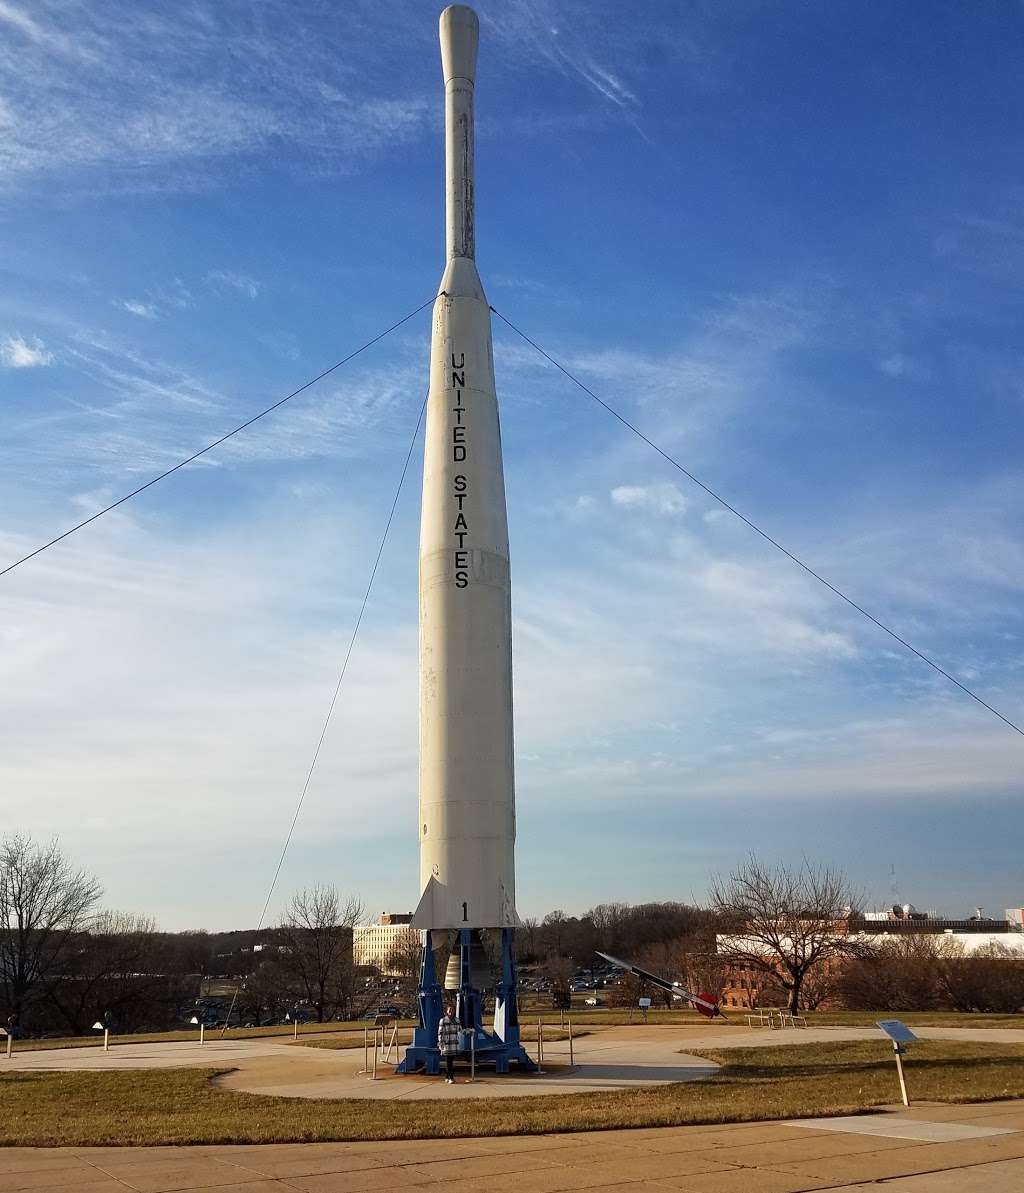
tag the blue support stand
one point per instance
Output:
(501, 1046)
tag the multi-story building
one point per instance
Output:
(374, 945)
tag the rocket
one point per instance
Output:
(704, 1003)
(467, 822)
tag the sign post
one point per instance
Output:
(900, 1034)
(645, 1006)
(202, 1029)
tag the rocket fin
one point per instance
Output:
(425, 915)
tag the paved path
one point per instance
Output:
(612, 1059)
(608, 1058)
(930, 1149)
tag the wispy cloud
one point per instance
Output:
(148, 96)
(664, 499)
(552, 33)
(136, 413)
(18, 353)
(144, 310)
(225, 279)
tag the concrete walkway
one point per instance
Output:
(930, 1149)
(608, 1058)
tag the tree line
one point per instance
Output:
(65, 961)
(789, 935)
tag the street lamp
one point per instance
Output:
(103, 1025)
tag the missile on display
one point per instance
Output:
(467, 820)
(704, 1003)
(466, 783)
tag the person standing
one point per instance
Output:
(448, 1041)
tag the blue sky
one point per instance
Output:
(786, 239)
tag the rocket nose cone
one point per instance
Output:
(460, 34)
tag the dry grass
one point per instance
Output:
(180, 1106)
(912, 1019)
(737, 1017)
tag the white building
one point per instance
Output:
(374, 944)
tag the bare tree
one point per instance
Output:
(553, 931)
(403, 962)
(120, 965)
(44, 902)
(316, 953)
(898, 973)
(789, 922)
(527, 938)
(558, 971)
(990, 978)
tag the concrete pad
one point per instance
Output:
(812, 1146)
(95, 1183)
(481, 1167)
(369, 1180)
(607, 1060)
(898, 1127)
(742, 1180)
(310, 1162)
(548, 1180)
(680, 1139)
(907, 1160)
(1006, 1176)
(59, 1178)
(26, 1159)
(188, 1172)
(651, 1168)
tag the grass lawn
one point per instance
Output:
(737, 1017)
(912, 1019)
(181, 1106)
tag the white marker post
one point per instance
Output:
(202, 1029)
(98, 1026)
(900, 1034)
(898, 1050)
(10, 1043)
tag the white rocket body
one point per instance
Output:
(466, 781)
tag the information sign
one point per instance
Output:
(897, 1031)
